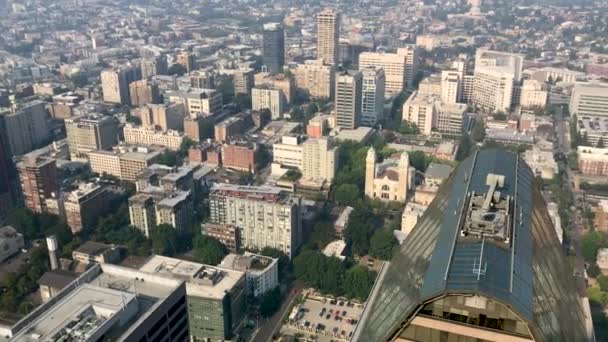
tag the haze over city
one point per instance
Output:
(248, 170)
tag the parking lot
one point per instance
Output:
(328, 319)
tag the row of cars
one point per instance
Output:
(320, 328)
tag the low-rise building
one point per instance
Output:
(198, 102)
(592, 161)
(262, 272)
(11, 242)
(390, 180)
(342, 222)
(85, 205)
(228, 235)
(229, 129)
(541, 162)
(215, 297)
(168, 116)
(410, 216)
(96, 252)
(97, 305)
(239, 156)
(139, 135)
(124, 161)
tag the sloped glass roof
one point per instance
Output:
(527, 272)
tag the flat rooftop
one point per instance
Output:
(201, 280)
(95, 303)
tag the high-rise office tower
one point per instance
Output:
(372, 98)
(496, 76)
(411, 62)
(274, 47)
(115, 83)
(451, 86)
(89, 133)
(39, 181)
(24, 128)
(328, 36)
(347, 106)
(484, 263)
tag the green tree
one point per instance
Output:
(169, 158)
(383, 244)
(347, 194)
(419, 160)
(358, 282)
(479, 131)
(176, 69)
(407, 127)
(270, 302)
(590, 243)
(208, 250)
(359, 229)
(593, 270)
(284, 262)
(242, 102)
(186, 144)
(322, 233)
(464, 147)
(164, 240)
(603, 282)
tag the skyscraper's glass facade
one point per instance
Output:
(484, 255)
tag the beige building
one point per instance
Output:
(124, 162)
(389, 180)
(149, 209)
(316, 78)
(195, 128)
(451, 86)
(395, 67)
(268, 98)
(243, 81)
(85, 205)
(139, 135)
(430, 86)
(89, 133)
(328, 36)
(115, 83)
(421, 110)
(277, 81)
(198, 102)
(168, 116)
(143, 92)
(534, 94)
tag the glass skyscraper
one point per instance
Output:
(274, 47)
(483, 264)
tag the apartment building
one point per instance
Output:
(328, 36)
(266, 216)
(144, 92)
(39, 181)
(315, 78)
(372, 96)
(347, 107)
(197, 102)
(85, 205)
(168, 116)
(269, 98)
(24, 127)
(115, 83)
(124, 162)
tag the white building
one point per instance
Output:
(316, 158)
(451, 86)
(262, 272)
(316, 78)
(372, 96)
(268, 98)
(589, 99)
(198, 102)
(496, 74)
(266, 216)
(410, 216)
(556, 219)
(11, 242)
(421, 110)
(139, 135)
(389, 180)
(534, 94)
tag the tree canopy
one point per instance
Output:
(164, 240)
(208, 250)
(383, 244)
(360, 227)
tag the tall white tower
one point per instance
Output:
(370, 172)
(52, 245)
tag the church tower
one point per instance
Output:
(370, 172)
(404, 176)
